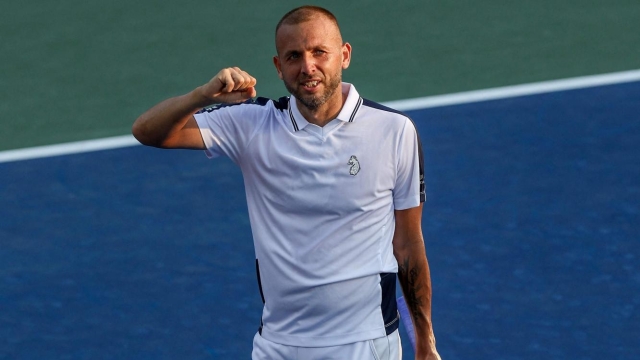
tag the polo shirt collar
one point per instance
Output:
(347, 113)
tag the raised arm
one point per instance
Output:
(170, 124)
(415, 280)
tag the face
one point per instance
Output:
(310, 60)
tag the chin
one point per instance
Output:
(310, 100)
(312, 103)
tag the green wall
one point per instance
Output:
(74, 70)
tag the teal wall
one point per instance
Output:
(74, 70)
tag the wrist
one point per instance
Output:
(200, 98)
(426, 349)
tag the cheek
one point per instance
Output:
(289, 74)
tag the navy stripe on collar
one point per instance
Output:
(355, 109)
(351, 118)
(293, 119)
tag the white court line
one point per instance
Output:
(515, 90)
(68, 148)
(402, 105)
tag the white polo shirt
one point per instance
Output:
(321, 203)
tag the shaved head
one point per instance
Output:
(304, 14)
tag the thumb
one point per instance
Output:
(238, 95)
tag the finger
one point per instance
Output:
(241, 78)
(227, 80)
(250, 80)
(251, 92)
(238, 80)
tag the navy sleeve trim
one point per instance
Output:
(375, 105)
(260, 101)
(282, 103)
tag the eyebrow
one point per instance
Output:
(315, 48)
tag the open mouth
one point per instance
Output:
(311, 84)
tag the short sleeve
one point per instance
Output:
(409, 190)
(227, 129)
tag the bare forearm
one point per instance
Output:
(160, 125)
(415, 280)
(170, 124)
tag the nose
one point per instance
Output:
(308, 64)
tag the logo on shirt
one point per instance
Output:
(355, 165)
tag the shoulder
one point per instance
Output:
(384, 115)
(383, 109)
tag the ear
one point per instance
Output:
(346, 55)
(276, 62)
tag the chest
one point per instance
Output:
(348, 170)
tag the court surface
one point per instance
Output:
(531, 224)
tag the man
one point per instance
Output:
(334, 189)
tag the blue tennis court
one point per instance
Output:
(532, 227)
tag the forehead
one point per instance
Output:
(318, 31)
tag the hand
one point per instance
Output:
(430, 356)
(429, 352)
(230, 85)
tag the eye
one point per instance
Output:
(319, 52)
(294, 56)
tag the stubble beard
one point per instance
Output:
(314, 102)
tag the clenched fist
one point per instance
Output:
(230, 85)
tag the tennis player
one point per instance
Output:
(334, 187)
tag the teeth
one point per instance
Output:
(311, 83)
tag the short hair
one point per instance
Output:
(305, 13)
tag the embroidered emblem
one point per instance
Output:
(355, 165)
